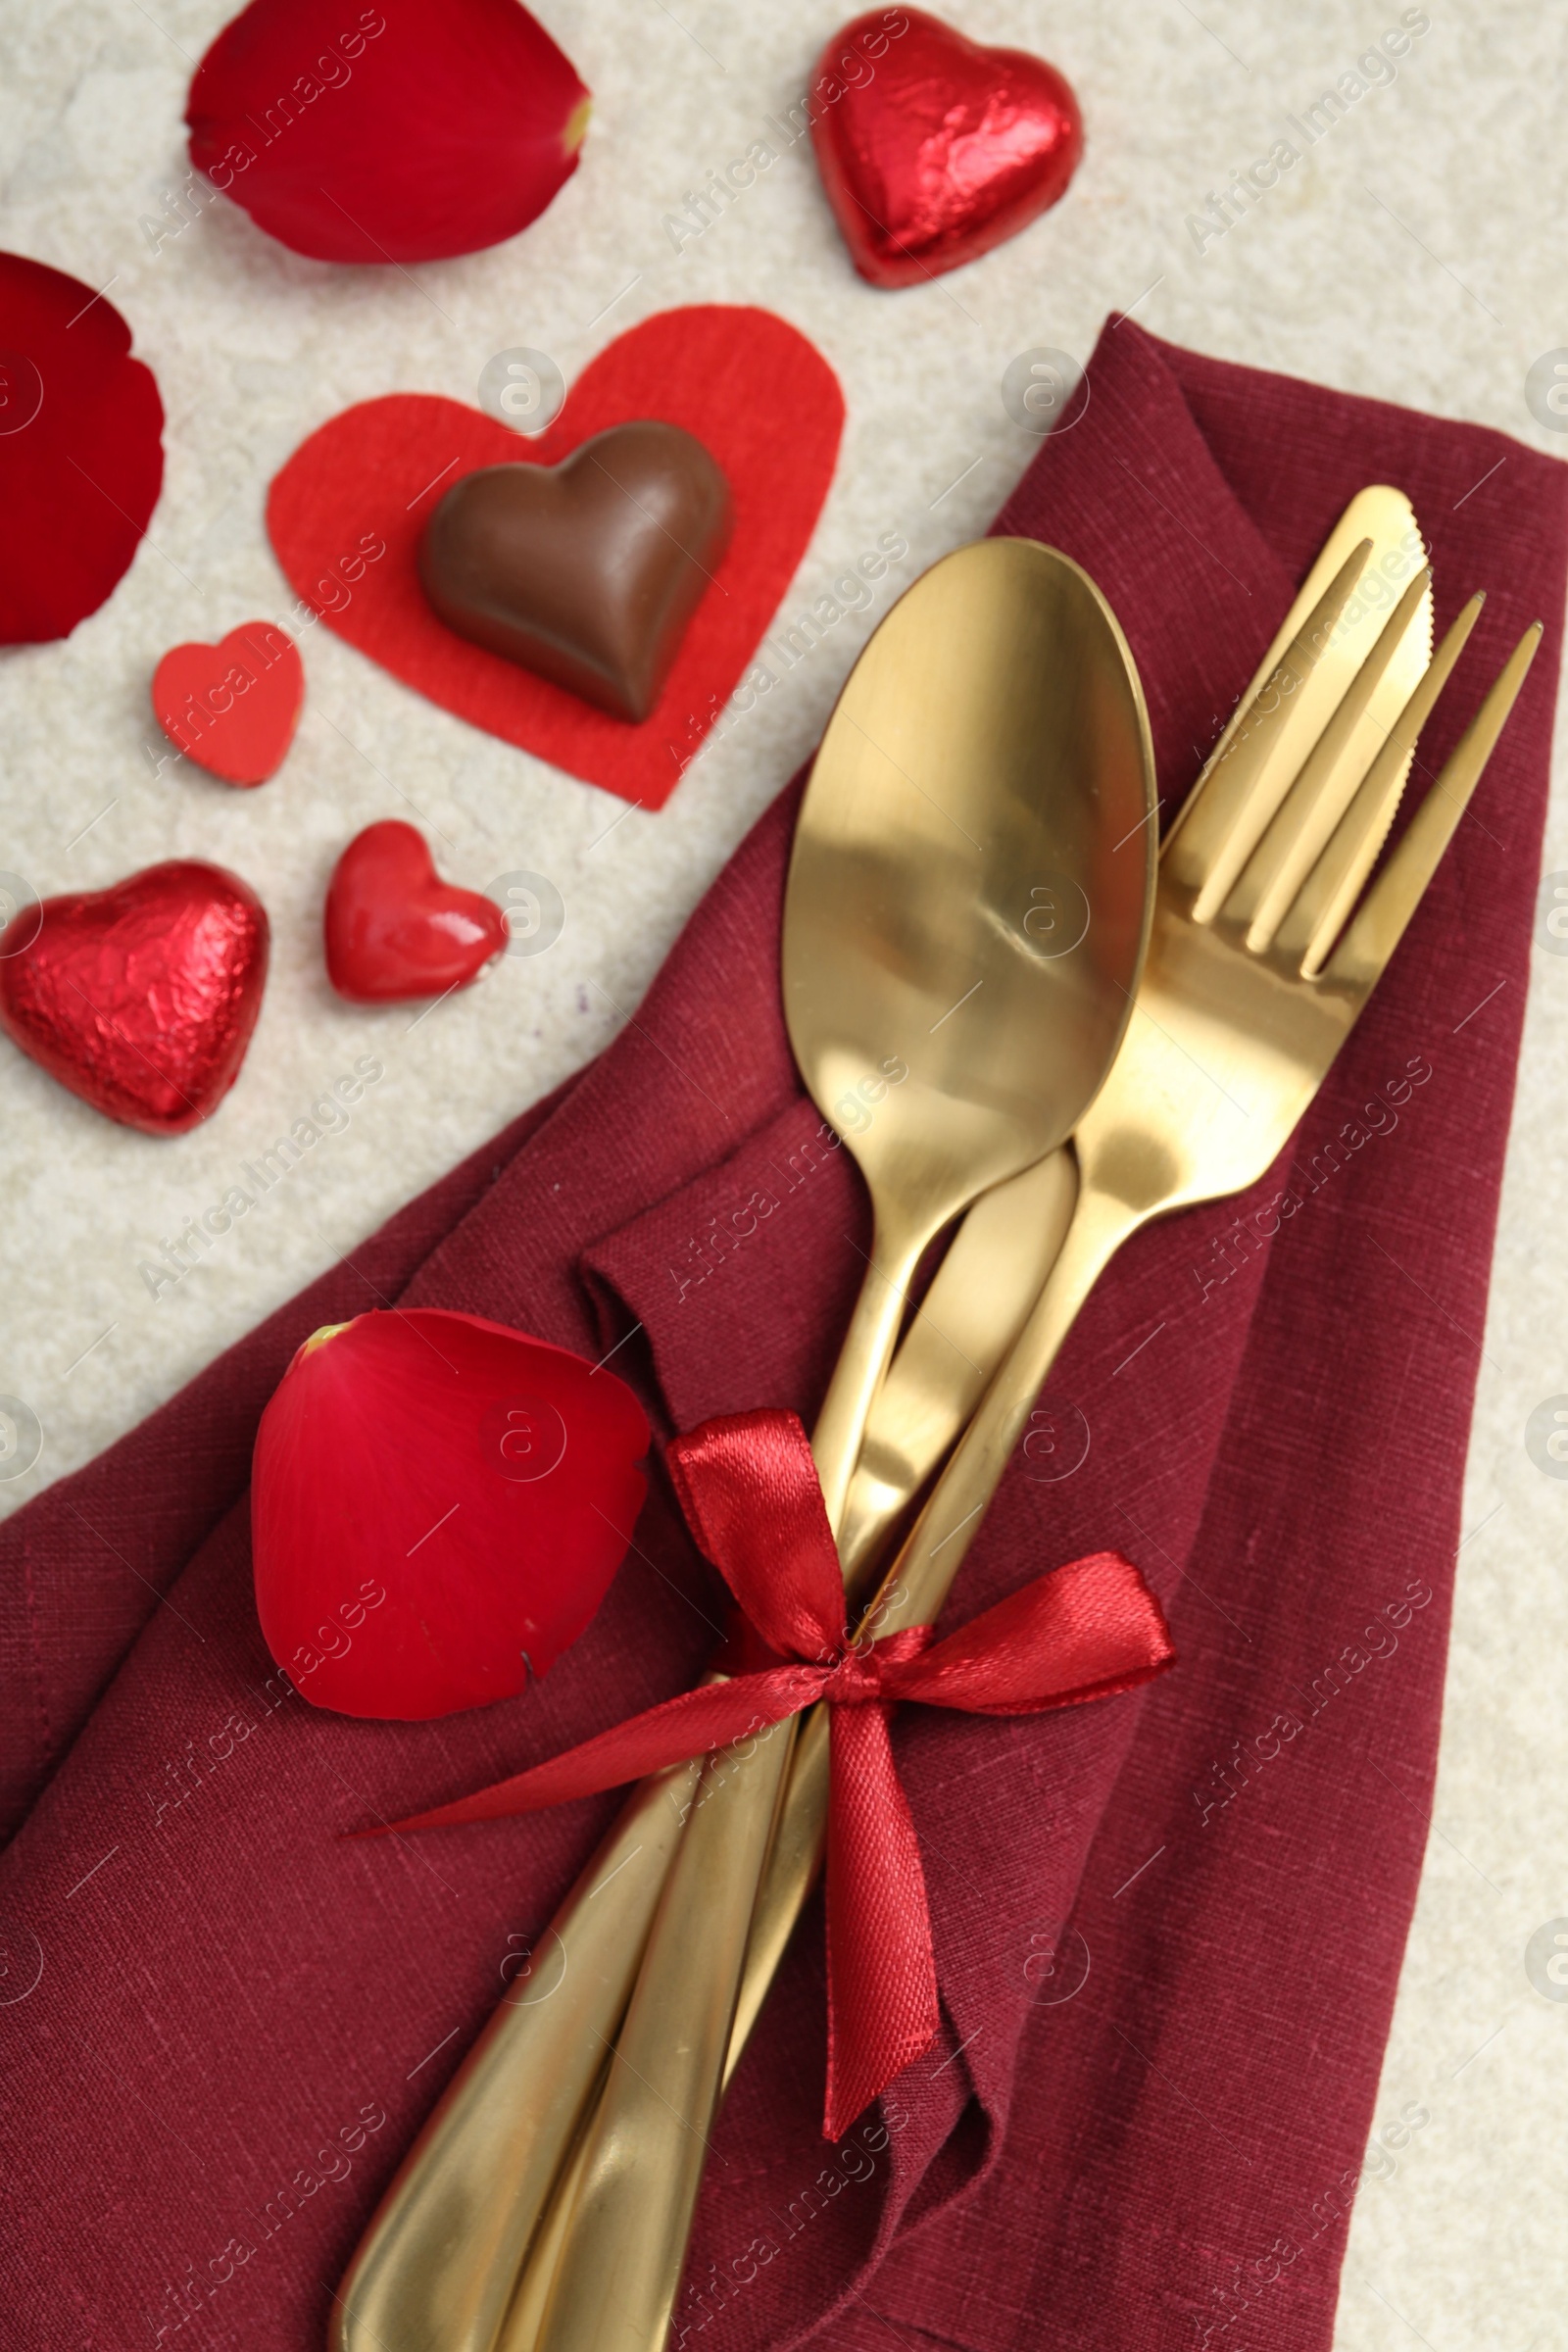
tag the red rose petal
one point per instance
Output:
(403, 133)
(394, 929)
(81, 461)
(432, 1497)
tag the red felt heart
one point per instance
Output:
(933, 149)
(395, 929)
(232, 707)
(347, 512)
(437, 1506)
(141, 998)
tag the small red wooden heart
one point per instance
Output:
(141, 998)
(232, 707)
(395, 929)
(347, 512)
(933, 149)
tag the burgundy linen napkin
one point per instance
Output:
(1169, 1927)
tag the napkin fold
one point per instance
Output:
(1169, 1928)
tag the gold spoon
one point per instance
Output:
(437, 2264)
(969, 900)
(949, 848)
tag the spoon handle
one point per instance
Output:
(981, 1294)
(642, 2158)
(862, 1364)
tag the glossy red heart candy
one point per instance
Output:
(933, 149)
(232, 707)
(142, 998)
(395, 929)
(437, 1507)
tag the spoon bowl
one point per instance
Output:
(968, 906)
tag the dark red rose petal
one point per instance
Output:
(437, 1507)
(81, 461)
(403, 133)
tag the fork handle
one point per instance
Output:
(934, 1551)
(622, 2238)
(917, 1584)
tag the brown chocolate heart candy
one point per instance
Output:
(586, 572)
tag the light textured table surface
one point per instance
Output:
(1416, 254)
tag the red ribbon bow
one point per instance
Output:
(747, 1486)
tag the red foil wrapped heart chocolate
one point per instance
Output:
(394, 929)
(437, 1507)
(933, 149)
(404, 132)
(232, 707)
(586, 572)
(142, 998)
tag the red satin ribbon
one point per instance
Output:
(747, 1486)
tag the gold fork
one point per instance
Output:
(1244, 1001)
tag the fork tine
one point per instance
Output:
(1321, 793)
(1327, 893)
(1237, 793)
(1379, 926)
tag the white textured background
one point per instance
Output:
(1416, 254)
